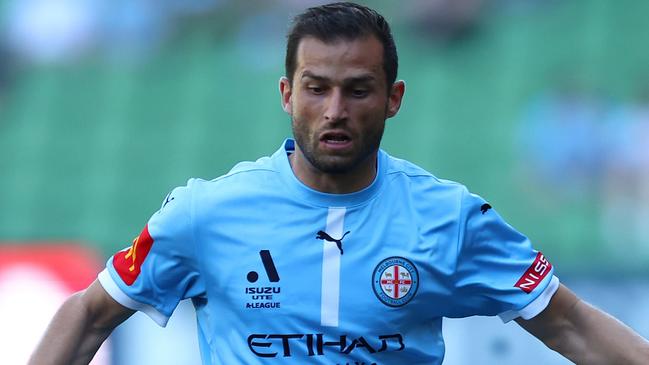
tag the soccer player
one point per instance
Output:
(331, 251)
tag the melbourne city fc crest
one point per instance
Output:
(395, 281)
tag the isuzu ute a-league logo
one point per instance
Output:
(395, 281)
(264, 296)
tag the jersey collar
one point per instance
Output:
(281, 162)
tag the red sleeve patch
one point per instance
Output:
(128, 263)
(534, 274)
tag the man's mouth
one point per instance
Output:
(335, 138)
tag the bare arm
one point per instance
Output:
(584, 334)
(79, 328)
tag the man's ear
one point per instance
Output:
(286, 92)
(395, 97)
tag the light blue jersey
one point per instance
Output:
(282, 274)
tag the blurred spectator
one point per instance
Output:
(191, 6)
(46, 31)
(625, 193)
(5, 73)
(260, 40)
(576, 142)
(561, 137)
(133, 28)
(446, 20)
(51, 31)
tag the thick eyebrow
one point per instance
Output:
(360, 79)
(310, 75)
(351, 80)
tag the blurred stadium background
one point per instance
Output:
(540, 106)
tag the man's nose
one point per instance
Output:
(336, 108)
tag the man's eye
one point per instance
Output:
(316, 90)
(359, 93)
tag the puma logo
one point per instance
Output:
(484, 208)
(322, 235)
(167, 200)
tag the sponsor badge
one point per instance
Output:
(395, 281)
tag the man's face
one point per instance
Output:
(338, 102)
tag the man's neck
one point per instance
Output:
(338, 183)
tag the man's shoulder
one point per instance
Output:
(400, 168)
(262, 165)
(244, 176)
(242, 171)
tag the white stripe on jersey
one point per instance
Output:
(331, 269)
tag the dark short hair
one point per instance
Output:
(346, 21)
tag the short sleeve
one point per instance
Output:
(161, 267)
(497, 271)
